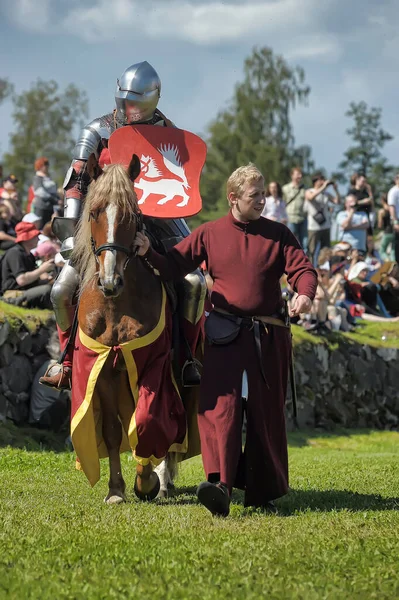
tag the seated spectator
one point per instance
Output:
(22, 282)
(325, 255)
(372, 256)
(9, 197)
(47, 235)
(342, 249)
(274, 204)
(353, 225)
(318, 206)
(7, 232)
(389, 290)
(319, 314)
(363, 294)
(34, 219)
(45, 190)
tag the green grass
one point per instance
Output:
(336, 535)
(17, 317)
(376, 335)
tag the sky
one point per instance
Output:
(349, 50)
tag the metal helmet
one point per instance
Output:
(141, 86)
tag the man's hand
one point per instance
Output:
(47, 266)
(142, 243)
(302, 304)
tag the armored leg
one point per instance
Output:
(191, 308)
(63, 296)
(194, 292)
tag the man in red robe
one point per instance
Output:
(246, 255)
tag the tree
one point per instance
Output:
(6, 88)
(46, 119)
(365, 155)
(256, 127)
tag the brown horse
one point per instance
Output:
(123, 319)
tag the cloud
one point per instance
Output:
(202, 23)
(32, 15)
(315, 46)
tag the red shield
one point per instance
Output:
(171, 164)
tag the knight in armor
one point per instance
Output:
(136, 96)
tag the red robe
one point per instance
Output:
(246, 262)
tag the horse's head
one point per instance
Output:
(115, 218)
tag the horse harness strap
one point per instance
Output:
(254, 324)
(130, 251)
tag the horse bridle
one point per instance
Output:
(130, 251)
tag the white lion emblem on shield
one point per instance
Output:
(152, 178)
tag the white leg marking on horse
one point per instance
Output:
(244, 385)
(163, 474)
(110, 257)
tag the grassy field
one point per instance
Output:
(336, 534)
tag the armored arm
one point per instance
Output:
(90, 141)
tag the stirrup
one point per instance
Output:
(190, 373)
(57, 376)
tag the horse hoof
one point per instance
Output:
(151, 494)
(110, 500)
(163, 494)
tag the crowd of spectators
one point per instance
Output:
(341, 236)
(29, 252)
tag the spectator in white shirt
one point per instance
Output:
(353, 225)
(393, 203)
(274, 204)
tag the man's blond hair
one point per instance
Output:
(240, 177)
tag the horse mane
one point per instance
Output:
(112, 187)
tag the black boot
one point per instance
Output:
(215, 497)
(190, 374)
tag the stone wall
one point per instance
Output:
(22, 352)
(346, 384)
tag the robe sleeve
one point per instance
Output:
(301, 275)
(183, 258)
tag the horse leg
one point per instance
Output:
(112, 434)
(146, 485)
(167, 472)
(162, 471)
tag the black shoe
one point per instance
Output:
(190, 375)
(270, 507)
(214, 497)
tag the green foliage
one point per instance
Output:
(365, 155)
(6, 89)
(45, 119)
(256, 127)
(335, 537)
